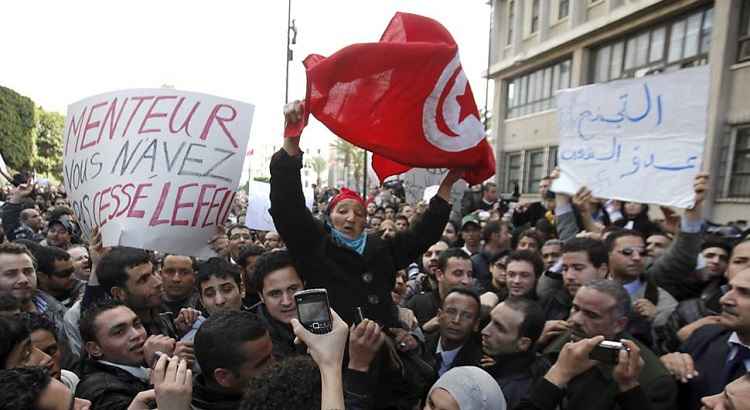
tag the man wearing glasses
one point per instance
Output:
(239, 237)
(55, 274)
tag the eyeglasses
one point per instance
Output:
(630, 251)
(64, 273)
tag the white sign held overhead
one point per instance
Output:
(259, 202)
(155, 168)
(635, 140)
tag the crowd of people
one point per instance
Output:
(571, 302)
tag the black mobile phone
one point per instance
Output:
(313, 310)
(607, 351)
(358, 316)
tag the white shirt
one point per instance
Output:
(448, 356)
(734, 343)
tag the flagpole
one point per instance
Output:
(288, 50)
(364, 188)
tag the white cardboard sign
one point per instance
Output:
(259, 202)
(155, 168)
(635, 140)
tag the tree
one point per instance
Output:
(318, 165)
(49, 143)
(17, 129)
(353, 159)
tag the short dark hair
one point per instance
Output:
(469, 293)
(23, 387)
(533, 316)
(616, 291)
(403, 217)
(46, 256)
(87, 324)
(451, 253)
(528, 256)
(236, 226)
(14, 332)
(593, 248)
(609, 243)
(716, 242)
(534, 234)
(112, 269)
(271, 262)
(218, 341)
(16, 249)
(290, 384)
(193, 260)
(248, 251)
(502, 254)
(35, 321)
(217, 267)
(493, 227)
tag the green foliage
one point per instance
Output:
(49, 142)
(262, 179)
(17, 129)
(318, 165)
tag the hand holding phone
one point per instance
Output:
(313, 310)
(326, 349)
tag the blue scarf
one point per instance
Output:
(357, 245)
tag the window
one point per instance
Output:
(739, 181)
(534, 170)
(681, 43)
(744, 46)
(552, 159)
(563, 9)
(535, 91)
(534, 16)
(511, 6)
(512, 171)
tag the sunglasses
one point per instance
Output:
(630, 251)
(64, 273)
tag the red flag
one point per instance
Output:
(405, 98)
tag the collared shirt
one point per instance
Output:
(138, 372)
(469, 252)
(734, 347)
(633, 287)
(40, 303)
(448, 356)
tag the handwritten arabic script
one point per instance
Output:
(621, 138)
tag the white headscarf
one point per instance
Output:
(472, 388)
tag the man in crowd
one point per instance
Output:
(79, 254)
(19, 217)
(276, 281)
(55, 274)
(219, 285)
(454, 270)
(426, 280)
(471, 232)
(43, 336)
(16, 349)
(715, 355)
(456, 342)
(523, 268)
(119, 354)
(18, 278)
(60, 231)
(510, 341)
(34, 388)
(652, 304)
(231, 347)
(657, 244)
(583, 260)
(272, 241)
(530, 240)
(178, 283)
(602, 308)
(530, 212)
(551, 252)
(247, 260)
(239, 237)
(402, 223)
(496, 236)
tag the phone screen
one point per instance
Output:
(313, 311)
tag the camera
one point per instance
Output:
(608, 352)
(313, 310)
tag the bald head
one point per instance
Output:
(32, 218)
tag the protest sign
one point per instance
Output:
(155, 168)
(635, 140)
(259, 202)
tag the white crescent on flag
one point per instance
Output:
(449, 116)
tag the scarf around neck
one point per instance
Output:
(357, 245)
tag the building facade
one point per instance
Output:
(540, 46)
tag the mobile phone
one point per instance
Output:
(157, 355)
(358, 316)
(607, 351)
(313, 310)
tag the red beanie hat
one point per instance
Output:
(345, 193)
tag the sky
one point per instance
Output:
(59, 52)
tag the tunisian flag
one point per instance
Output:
(405, 98)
